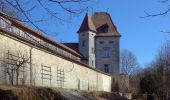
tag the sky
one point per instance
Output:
(141, 36)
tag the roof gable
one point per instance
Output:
(87, 24)
(101, 19)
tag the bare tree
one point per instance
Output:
(130, 67)
(165, 12)
(50, 10)
(20, 62)
(162, 13)
(128, 62)
(163, 63)
(14, 65)
(158, 73)
(6, 8)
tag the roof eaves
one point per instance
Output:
(38, 34)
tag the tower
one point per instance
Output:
(86, 34)
(106, 44)
(99, 42)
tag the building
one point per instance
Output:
(89, 64)
(28, 57)
(98, 43)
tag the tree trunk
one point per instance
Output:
(17, 75)
(12, 77)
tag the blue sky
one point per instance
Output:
(142, 36)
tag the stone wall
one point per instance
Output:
(48, 69)
(110, 44)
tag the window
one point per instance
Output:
(92, 50)
(111, 42)
(101, 42)
(106, 68)
(83, 43)
(107, 53)
(105, 29)
(92, 63)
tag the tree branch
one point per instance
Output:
(68, 1)
(164, 1)
(159, 14)
(50, 12)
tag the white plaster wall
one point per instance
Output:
(92, 45)
(87, 52)
(76, 75)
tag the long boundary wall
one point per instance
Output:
(74, 75)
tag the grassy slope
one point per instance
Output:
(42, 93)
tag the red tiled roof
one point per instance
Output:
(74, 46)
(102, 18)
(38, 34)
(97, 22)
(87, 24)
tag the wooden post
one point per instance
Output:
(88, 86)
(31, 66)
(78, 84)
(50, 76)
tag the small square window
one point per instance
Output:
(101, 42)
(111, 42)
(83, 43)
(92, 50)
(106, 68)
(92, 63)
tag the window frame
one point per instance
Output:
(105, 29)
(92, 50)
(92, 63)
(106, 53)
(106, 68)
(83, 43)
(101, 42)
(111, 42)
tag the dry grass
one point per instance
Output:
(43, 93)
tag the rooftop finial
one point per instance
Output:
(107, 10)
(87, 9)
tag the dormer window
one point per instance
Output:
(105, 29)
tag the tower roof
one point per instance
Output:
(101, 20)
(87, 24)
